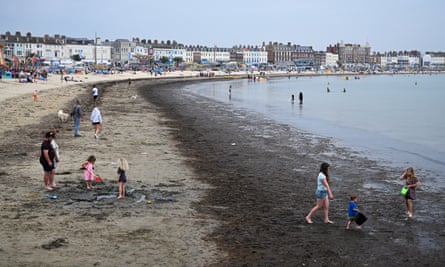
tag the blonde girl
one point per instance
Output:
(122, 177)
(88, 167)
(411, 183)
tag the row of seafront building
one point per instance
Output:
(60, 49)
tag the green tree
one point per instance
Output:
(178, 60)
(76, 57)
(164, 59)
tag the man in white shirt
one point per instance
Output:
(95, 93)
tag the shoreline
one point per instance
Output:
(384, 146)
(54, 80)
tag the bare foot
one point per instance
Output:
(329, 222)
(308, 220)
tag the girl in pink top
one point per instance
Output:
(89, 171)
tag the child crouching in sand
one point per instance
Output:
(88, 167)
(122, 177)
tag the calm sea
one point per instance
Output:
(396, 119)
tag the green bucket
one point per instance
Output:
(404, 191)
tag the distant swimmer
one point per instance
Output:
(328, 90)
(344, 90)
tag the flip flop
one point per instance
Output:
(50, 196)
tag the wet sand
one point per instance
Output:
(240, 194)
(263, 180)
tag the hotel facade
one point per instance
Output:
(63, 50)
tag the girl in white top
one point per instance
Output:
(323, 194)
(96, 120)
(95, 92)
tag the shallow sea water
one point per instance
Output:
(395, 119)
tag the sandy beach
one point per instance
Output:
(82, 228)
(238, 196)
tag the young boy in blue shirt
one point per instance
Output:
(352, 211)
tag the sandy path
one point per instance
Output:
(80, 228)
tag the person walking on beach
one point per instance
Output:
(96, 120)
(411, 183)
(323, 194)
(55, 146)
(77, 113)
(122, 177)
(47, 155)
(88, 167)
(352, 211)
(95, 92)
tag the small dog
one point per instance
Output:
(63, 117)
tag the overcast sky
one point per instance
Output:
(386, 25)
